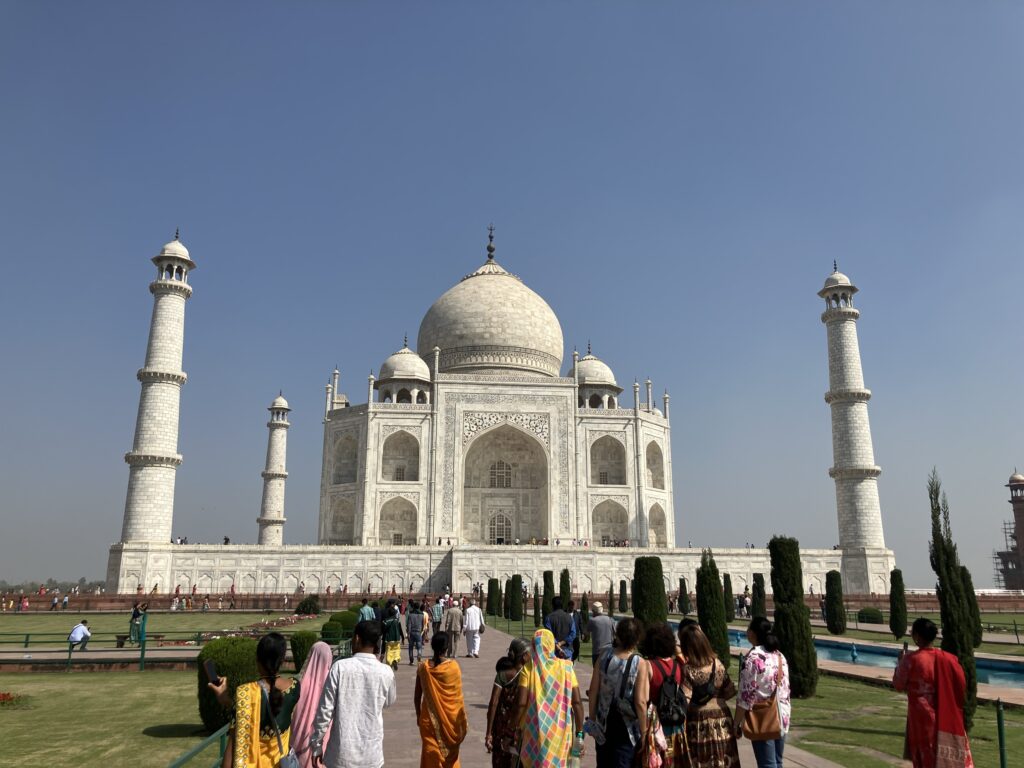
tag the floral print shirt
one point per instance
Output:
(757, 682)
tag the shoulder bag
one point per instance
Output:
(763, 722)
(290, 760)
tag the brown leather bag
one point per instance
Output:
(763, 722)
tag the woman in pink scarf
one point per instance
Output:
(312, 679)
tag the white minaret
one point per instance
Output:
(854, 469)
(154, 458)
(271, 517)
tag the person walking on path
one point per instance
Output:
(80, 635)
(391, 653)
(502, 739)
(366, 613)
(440, 709)
(353, 701)
(710, 740)
(474, 626)
(661, 664)
(601, 629)
(764, 675)
(312, 679)
(437, 615)
(453, 625)
(261, 725)
(610, 699)
(414, 629)
(562, 626)
(577, 628)
(549, 695)
(934, 683)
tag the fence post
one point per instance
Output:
(1002, 733)
(1015, 632)
(27, 636)
(142, 641)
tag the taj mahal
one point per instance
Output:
(481, 454)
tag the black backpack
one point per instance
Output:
(702, 694)
(672, 703)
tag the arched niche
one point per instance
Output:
(397, 523)
(400, 457)
(607, 462)
(610, 522)
(505, 473)
(655, 466)
(346, 460)
(657, 528)
(343, 521)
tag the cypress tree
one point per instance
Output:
(792, 617)
(728, 601)
(684, 598)
(515, 611)
(711, 607)
(611, 599)
(549, 593)
(897, 604)
(623, 600)
(506, 602)
(493, 597)
(584, 612)
(565, 587)
(835, 610)
(758, 601)
(536, 606)
(972, 604)
(954, 607)
(650, 605)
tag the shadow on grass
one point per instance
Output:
(873, 731)
(175, 730)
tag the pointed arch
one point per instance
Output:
(655, 466)
(346, 460)
(610, 522)
(397, 523)
(657, 527)
(607, 462)
(343, 521)
(400, 457)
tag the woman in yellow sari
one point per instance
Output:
(259, 706)
(440, 710)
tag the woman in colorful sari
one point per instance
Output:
(312, 679)
(440, 711)
(550, 696)
(263, 710)
(936, 690)
(502, 739)
(710, 741)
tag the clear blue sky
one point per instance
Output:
(675, 179)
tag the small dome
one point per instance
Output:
(1016, 479)
(175, 248)
(837, 279)
(404, 364)
(279, 403)
(594, 372)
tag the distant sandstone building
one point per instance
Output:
(1009, 563)
(473, 458)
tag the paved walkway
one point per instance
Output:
(402, 742)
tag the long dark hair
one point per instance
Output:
(762, 629)
(270, 652)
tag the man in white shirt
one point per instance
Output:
(355, 695)
(80, 635)
(473, 622)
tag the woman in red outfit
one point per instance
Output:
(935, 687)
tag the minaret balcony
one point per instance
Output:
(150, 374)
(268, 475)
(138, 459)
(170, 286)
(848, 396)
(834, 314)
(854, 473)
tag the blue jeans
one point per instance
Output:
(415, 643)
(768, 754)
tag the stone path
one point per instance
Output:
(402, 741)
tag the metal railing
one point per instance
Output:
(220, 737)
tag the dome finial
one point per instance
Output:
(405, 341)
(177, 233)
(835, 266)
(588, 346)
(490, 242)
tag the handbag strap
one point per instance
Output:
(277, 730)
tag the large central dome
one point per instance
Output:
(491, 323)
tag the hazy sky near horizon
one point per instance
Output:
(674, 179)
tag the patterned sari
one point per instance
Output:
(547, 729)
(505, 730)
(255, 738)
(442, 720)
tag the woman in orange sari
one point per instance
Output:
(935, 687)
(440, 710)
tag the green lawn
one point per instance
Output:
(525, 629)
(861, 726)
(1006, 649)
(13, 626)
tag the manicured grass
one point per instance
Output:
(13, 626)
(526, 630)
(862, 726)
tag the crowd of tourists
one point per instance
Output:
(658, 697)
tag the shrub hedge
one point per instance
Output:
(309, 606)
(330, 632)
(870, 615)
(301, 642)
(235, 658)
